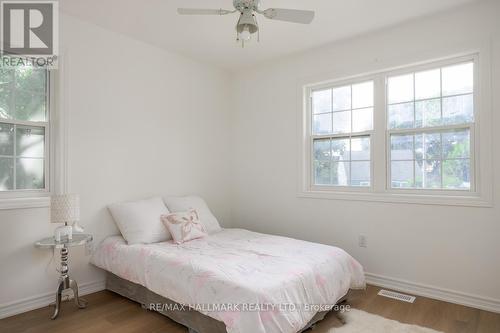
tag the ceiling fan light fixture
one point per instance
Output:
(247, 22)
(245, 33)
(248, 9)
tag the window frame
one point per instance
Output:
(309, 98)
(481, 191)
(27, 198)
(434, 129)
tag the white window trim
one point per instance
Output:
(312, 137)
(55, 155)
(380, 191)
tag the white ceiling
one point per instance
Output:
(212, 38)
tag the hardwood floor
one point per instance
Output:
(108, 312)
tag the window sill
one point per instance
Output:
(24, 203)
(406, 198)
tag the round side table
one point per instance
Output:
(65, 282)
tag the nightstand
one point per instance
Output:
(65, 282)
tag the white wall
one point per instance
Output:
(448, 247)
(141, 122)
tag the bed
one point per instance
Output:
(234, 280)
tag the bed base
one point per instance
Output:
(195, 321)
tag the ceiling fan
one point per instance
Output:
(247, 24)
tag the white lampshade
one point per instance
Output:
(65, 208)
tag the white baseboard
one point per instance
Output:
(451, 296)
(36, 302)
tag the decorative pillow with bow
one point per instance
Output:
(184, 226)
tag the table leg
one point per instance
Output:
(60, 289)
(66, 283)
(81, 303)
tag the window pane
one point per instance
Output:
(30, 141)
(402, 147)
(6, 139)
(400, 89)
(30, 106)
(362, 120)
(340, 173)
(360, 174)
(428, 174)
(6, 173)
(342, 98)
(360, 149)
(428, 146)
(401, 115)
(456, 174)
(402, 174)
(5, 111)
(31, 79)
(456, 144)
(29, 173)
(458, 79)
(458, 110)
(362, 95)
(428, 84)
(322, 150)
(340, 149)
(428, 113)
(322, 173)
(322, 123)
(30, 94)
(322, 101)
(6, 77)
(341, 122)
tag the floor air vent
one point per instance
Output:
(398, 296)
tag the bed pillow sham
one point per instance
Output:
(184, 226)
(184, 204)
(140, 221)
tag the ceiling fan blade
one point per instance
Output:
(200, 11)
(289, 15)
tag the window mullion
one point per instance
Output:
(378, 137)
(441, 158)
(14, 164)
(414, 163)
(341, 135)
(350, 142)
(435, 129)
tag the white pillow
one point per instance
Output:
(140, 221)
(184, 204)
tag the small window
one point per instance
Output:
(24, 128)
(342, 122)
(430, 119)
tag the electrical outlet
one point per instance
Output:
(362, 242)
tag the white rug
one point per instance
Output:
(357, 321)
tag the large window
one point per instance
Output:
(24, 120)
(399, 135)
(342, 121)
(430, 117)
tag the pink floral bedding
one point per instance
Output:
(252, 282)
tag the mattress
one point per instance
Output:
(251, 282)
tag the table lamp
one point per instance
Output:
(65, 209)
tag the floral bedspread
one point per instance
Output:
(250, 281)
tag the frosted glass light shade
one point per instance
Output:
(65, 208)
